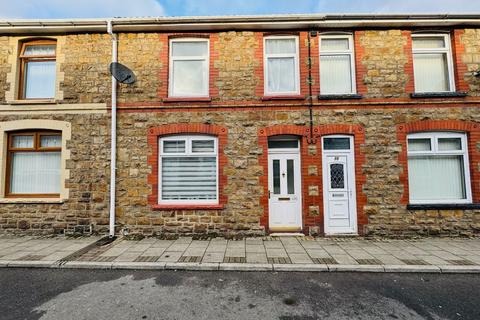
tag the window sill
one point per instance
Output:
(283, 97)
(440, 206)
(33, 101)
(339, 96)
(188, 207)
(457, 94)
(192, 99)
(31, 200)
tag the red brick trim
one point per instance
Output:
(263, 135)
(259, 73)
(316, 160)
(473, 134)
(152, 160)
(358, 133)
(360, 69)
(162, 90)
(459, 67)
(189, 35)
(188, 207)
(408, 68)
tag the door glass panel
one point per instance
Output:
(276, 176)
(337, 176)
(290, 177)
(336, 143)
(285, 144)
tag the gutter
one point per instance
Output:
(113, 134)
(219, 23)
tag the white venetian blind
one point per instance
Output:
(430, 72)
(40, 79)
(35, 173)
(188, 169)
(189, 178)
(436, 178)
(430, 63)
(335, 66)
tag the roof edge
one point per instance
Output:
(286, 21)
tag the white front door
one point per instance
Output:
(284, 185)
(339, 185)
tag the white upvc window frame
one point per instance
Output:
(434, 150)
(447, 51)
(283, 55)
(350, 52)
(205, 58)
(188, 138)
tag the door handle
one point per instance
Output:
(269, 192)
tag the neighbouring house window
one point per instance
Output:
(337, 64)
(188, 169)
(34, 164)
(189, 59)
(438, 169)
(281, 65)
(432, 63)
(38, 69)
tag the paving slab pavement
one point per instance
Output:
(434, 255)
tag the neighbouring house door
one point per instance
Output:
(285, 194)
(339, 185)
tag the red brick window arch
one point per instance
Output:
(176, 144)
(424, 140)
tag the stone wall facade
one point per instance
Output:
(384, 77)
(86, 209)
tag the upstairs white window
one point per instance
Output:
(189, 68)
(188, 170)
(438, 170)
(337, 65)
(38, 69)
(432, 63)
(282, 76)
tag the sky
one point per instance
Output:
(50, 9)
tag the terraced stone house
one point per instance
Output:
(314, 124)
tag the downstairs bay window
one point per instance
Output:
(438, 168)
(188, 169)
(34, 164)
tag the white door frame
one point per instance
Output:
(351, 186)
(284, 153)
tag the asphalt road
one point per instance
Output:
(97, 294)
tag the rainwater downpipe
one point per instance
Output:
(113, 133)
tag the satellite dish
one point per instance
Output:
(122, 73)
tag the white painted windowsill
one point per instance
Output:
(31, 200)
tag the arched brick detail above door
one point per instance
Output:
(311, 168)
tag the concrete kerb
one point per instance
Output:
(411, 269)
(198, 266)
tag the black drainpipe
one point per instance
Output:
(310, 82)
